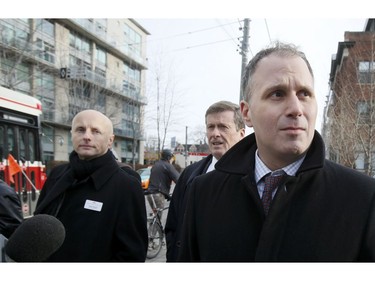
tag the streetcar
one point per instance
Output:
(21, 164)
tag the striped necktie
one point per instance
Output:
(271, 183)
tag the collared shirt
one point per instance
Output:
(261, 170)
(212, 165)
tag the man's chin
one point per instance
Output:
(296, 150)
(217, 153)
(86, 156)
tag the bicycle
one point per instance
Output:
(155, 230)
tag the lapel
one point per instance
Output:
(272, 234)
(58, 187)
(252, 189)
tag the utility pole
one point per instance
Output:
(244, 51)
(158, 115)
(186, 147)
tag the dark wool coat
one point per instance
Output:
(10, 210)
(177, 206)
(324, 213)
(115, 231)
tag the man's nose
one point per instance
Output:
(294, 107)
(87, 134)
(216, 132)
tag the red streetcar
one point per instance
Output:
(20, 146)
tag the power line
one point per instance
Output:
(269, 36)
(201, 45)
(191, 32)
(226, 31)
(231, 38)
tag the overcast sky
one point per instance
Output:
(203, 54)
(198, 40)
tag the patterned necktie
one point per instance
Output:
(271, 183)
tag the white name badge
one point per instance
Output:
(93, 205)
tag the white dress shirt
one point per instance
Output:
(212, 165)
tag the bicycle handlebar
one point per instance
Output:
(167, 196)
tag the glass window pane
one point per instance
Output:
(360, 161)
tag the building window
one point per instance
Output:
(22, 39)
(78, 68)
(45, 87)
(79, 43)
(360, 161)
(373, 164)
(130, 110)
(48, 108)
(74, 61)
(101, 101)
(16, 74)
(45, 51)
(132, 73)
(74, 109)
(127, 146)
(366, 71)
(101, 56)
(14, 36)
(363, 110)
(81, 92)
(7, 33)
(45, 27)
(133, 40)
(45, 84)
(48, 136)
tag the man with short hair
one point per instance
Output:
(163, 173)
(224, 128)
(273, 196)
(101, 207)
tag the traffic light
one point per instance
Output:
(65, 73)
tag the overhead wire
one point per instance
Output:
(190, 32)
(201, 45)
(226, 31)
(268, 31)
(197, 31)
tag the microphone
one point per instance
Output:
(35, 239)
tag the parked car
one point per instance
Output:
(145, 176)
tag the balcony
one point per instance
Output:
(103, 39)
(29, 50)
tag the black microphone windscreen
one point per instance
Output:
(35, 239)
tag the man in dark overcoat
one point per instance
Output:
(273, 196)
(101, 206)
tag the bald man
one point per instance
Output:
(100, 205)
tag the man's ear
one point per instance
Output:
(245, 111)
(243, 132)
(111, 139)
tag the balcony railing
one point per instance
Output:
(91, 27)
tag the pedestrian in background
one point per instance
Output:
(274, 196)
(224, 128)
(161, 177)
(10, 210)
(101, 206)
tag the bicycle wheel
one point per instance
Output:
(155, 239)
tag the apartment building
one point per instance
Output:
(349, 115)
(75, 64)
